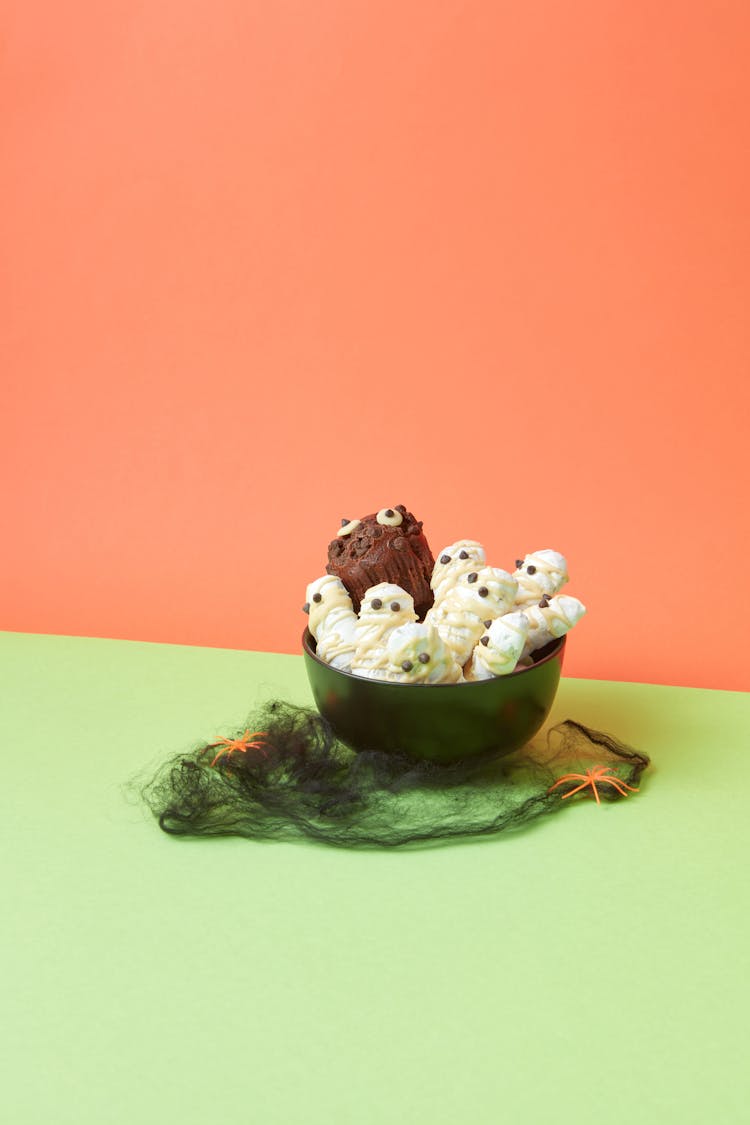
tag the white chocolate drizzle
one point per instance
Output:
(348, 528)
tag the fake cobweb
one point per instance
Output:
(288, 778)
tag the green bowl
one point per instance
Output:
(441, 722)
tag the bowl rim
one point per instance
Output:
(308, 641)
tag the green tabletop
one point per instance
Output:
(590, 968)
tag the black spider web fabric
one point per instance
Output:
(301, 782)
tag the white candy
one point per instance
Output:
(500, 648)
(549, 573)
(546, 623)
(471, 599)
(478, 596)
(445, 575)
(332, 621)
(384, 608)
(323, 596)
(417, 655)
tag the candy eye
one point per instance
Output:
(389, 517)
(407, 665)
(395, 607)
(445, 559)
(424, 658)
(347, 527)
(472, 577)
(376, 603)
(463, 554)
(317, 598)
(531, 570)
(483, 591)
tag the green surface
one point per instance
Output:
(593, 967)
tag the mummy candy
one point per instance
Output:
(384, 608)
(417, 655)
(540, 573)
(500, 648)
(478, 597)
(454, 561)
(332, 621)
(551, 618)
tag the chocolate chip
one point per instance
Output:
(445, 559)
(389, 512)
(463, 554)
(306, 607)
(395, 607)
(484, 640)
(377, 531)
(519, 563)
(407, 665)
(472, 577)
(487, 624)
(424, 658)
(531, 570)
(399, 543)
(483, 591)
(376, 603)
(544, 602)
(317, 598)
(345, 521)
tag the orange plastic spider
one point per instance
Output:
(601, 774)
(239, 745)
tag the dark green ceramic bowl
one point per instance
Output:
(443, 722)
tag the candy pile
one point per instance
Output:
(470, 621)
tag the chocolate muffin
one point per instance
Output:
(386, 546)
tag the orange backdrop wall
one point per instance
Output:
(267, 265)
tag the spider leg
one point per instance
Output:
(614, 778)
(621, 787)
(578, 789)
(614, 781)
(632, 788)
(606, 775)
(569, 777)
(258, 746)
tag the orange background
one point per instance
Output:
(271, 264)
